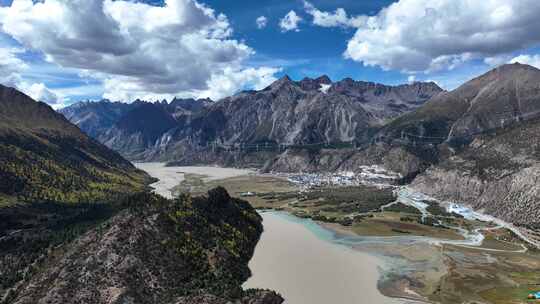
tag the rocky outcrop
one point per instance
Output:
(191, 250)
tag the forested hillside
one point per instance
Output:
(43, 157)
(188, 250)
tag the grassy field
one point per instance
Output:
(326, 204)
(510, 295)
(268, 191)
(501, 239)
(398, 224)
(192, 183)
(525, 283)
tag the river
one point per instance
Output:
(298, 259)
(294, 257)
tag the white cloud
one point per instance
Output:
(219, 86)
(338, 18)
(411, 79)
(225, 84)
(262, 21)
(133, 47)
(533, 60)
(38, 91)
(12, 67)
(425, 35)
(290, 22)
(496, 60)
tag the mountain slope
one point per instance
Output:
(45, 157)
(484, 143)
(137, 129)
(498, 173)
(190, 250)
(504, 95)
(95, 118)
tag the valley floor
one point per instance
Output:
(405, 245)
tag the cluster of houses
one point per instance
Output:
(371, 175)
(311, 180)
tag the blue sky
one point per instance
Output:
(311, 52)
(391, 42)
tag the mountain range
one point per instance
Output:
(287, 112)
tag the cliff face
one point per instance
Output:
(498, 173)
(191, 250)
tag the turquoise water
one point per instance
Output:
(342, 239)
(391, 264)
(321, 232)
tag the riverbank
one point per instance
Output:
(428, 261)
(300, 261)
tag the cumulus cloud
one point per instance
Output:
(219, 85)
(40, 92)
(135, 48)
(533, 60)
(224, 85)
(290, 22)
(425, 35)
(496, 60)
(12, 67)
(411, 79)
(262, 21)
(338, 18)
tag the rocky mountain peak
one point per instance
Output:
(324, 79)
(315, 84)
(282, 83)
(148, 119)
(285, 78)
(504, 75)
